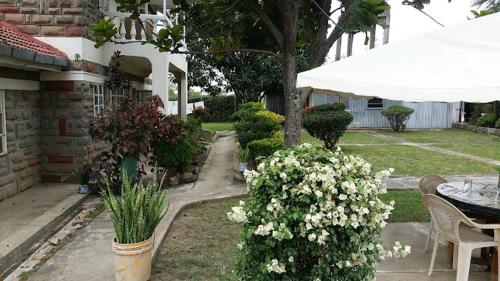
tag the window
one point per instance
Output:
(118, 95)
(375, 103)
(98, 94)
(3, 128)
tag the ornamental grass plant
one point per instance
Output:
(136, 213)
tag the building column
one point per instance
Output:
(160, 81)
(182, 94)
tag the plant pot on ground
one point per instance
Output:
(135, 215)
(82, 176)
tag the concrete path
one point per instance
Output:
(414, 267)
(427, 146)
(89, 256)
(32, 215)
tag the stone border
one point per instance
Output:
(477, 129)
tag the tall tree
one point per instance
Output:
(278, 27)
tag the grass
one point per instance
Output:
(443, 136)
(218, 126)
(413, 161)
(201, 244)
(408, 206)
(490, 151)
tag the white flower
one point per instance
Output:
(343, 197)
(311, 237)
(290, 259)
(237, 215)
(264, 230)
(275, 266)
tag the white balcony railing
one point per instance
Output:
(130, 30)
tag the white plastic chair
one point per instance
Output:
(452, 225)
(428, 185)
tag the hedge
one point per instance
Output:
(219, 108)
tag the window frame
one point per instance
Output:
(381, 104)
(3, 124)
(100, 107)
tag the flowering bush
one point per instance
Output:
(312, 214)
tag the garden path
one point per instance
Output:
(437, 149)
(89, 255)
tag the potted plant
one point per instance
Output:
(135, 215)
(82, 176)
(242, 156)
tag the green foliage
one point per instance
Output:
(173, 156)
(477, 111)
(486, 120)
(104, 30)
(82, 173)
(136, 213)
(327, 123)
(219, 108)
(242, 155)
(304, 220)
(259, 125)
(247, 109)
(266, 147)
(398, 116)
(497, 124)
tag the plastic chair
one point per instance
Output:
(428, 185)
(452, 225)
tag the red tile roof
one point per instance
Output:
(11, 36)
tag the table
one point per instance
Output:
(482, 203)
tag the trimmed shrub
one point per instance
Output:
(260, 125)
(266, 147)
(398, 116)
(173, 156)
(486, 120)
(219, 108)
(497, 124)
(327, 123)
(303, 219)
(245, 110)
(193, 129)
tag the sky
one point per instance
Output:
(408, 22)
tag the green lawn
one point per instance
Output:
(413, 161)
(218, 126)
(490, 151)
(201, 243)
(443, 136)
(408, 206)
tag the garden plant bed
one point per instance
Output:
(201, 244)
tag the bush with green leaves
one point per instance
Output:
(247, 109)
(477, 111)
(398, 116)
(312, 214)
(327, 122)
(497, 124)
(266, 147)
(136, 213)
(486, 120)
(173, 156)
(219, 108)
(259, 125)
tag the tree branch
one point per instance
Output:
(429, 16)
(269, 23)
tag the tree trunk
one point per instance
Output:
(293, 100)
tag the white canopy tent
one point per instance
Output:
(455, 63)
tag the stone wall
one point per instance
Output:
(20, 168)
(61, 18)
(477, 129)
(65, 142)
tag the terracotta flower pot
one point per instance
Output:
(133, 261)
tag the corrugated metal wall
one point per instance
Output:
(426, 115)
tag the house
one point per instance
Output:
(52, 82)
(367, 112)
